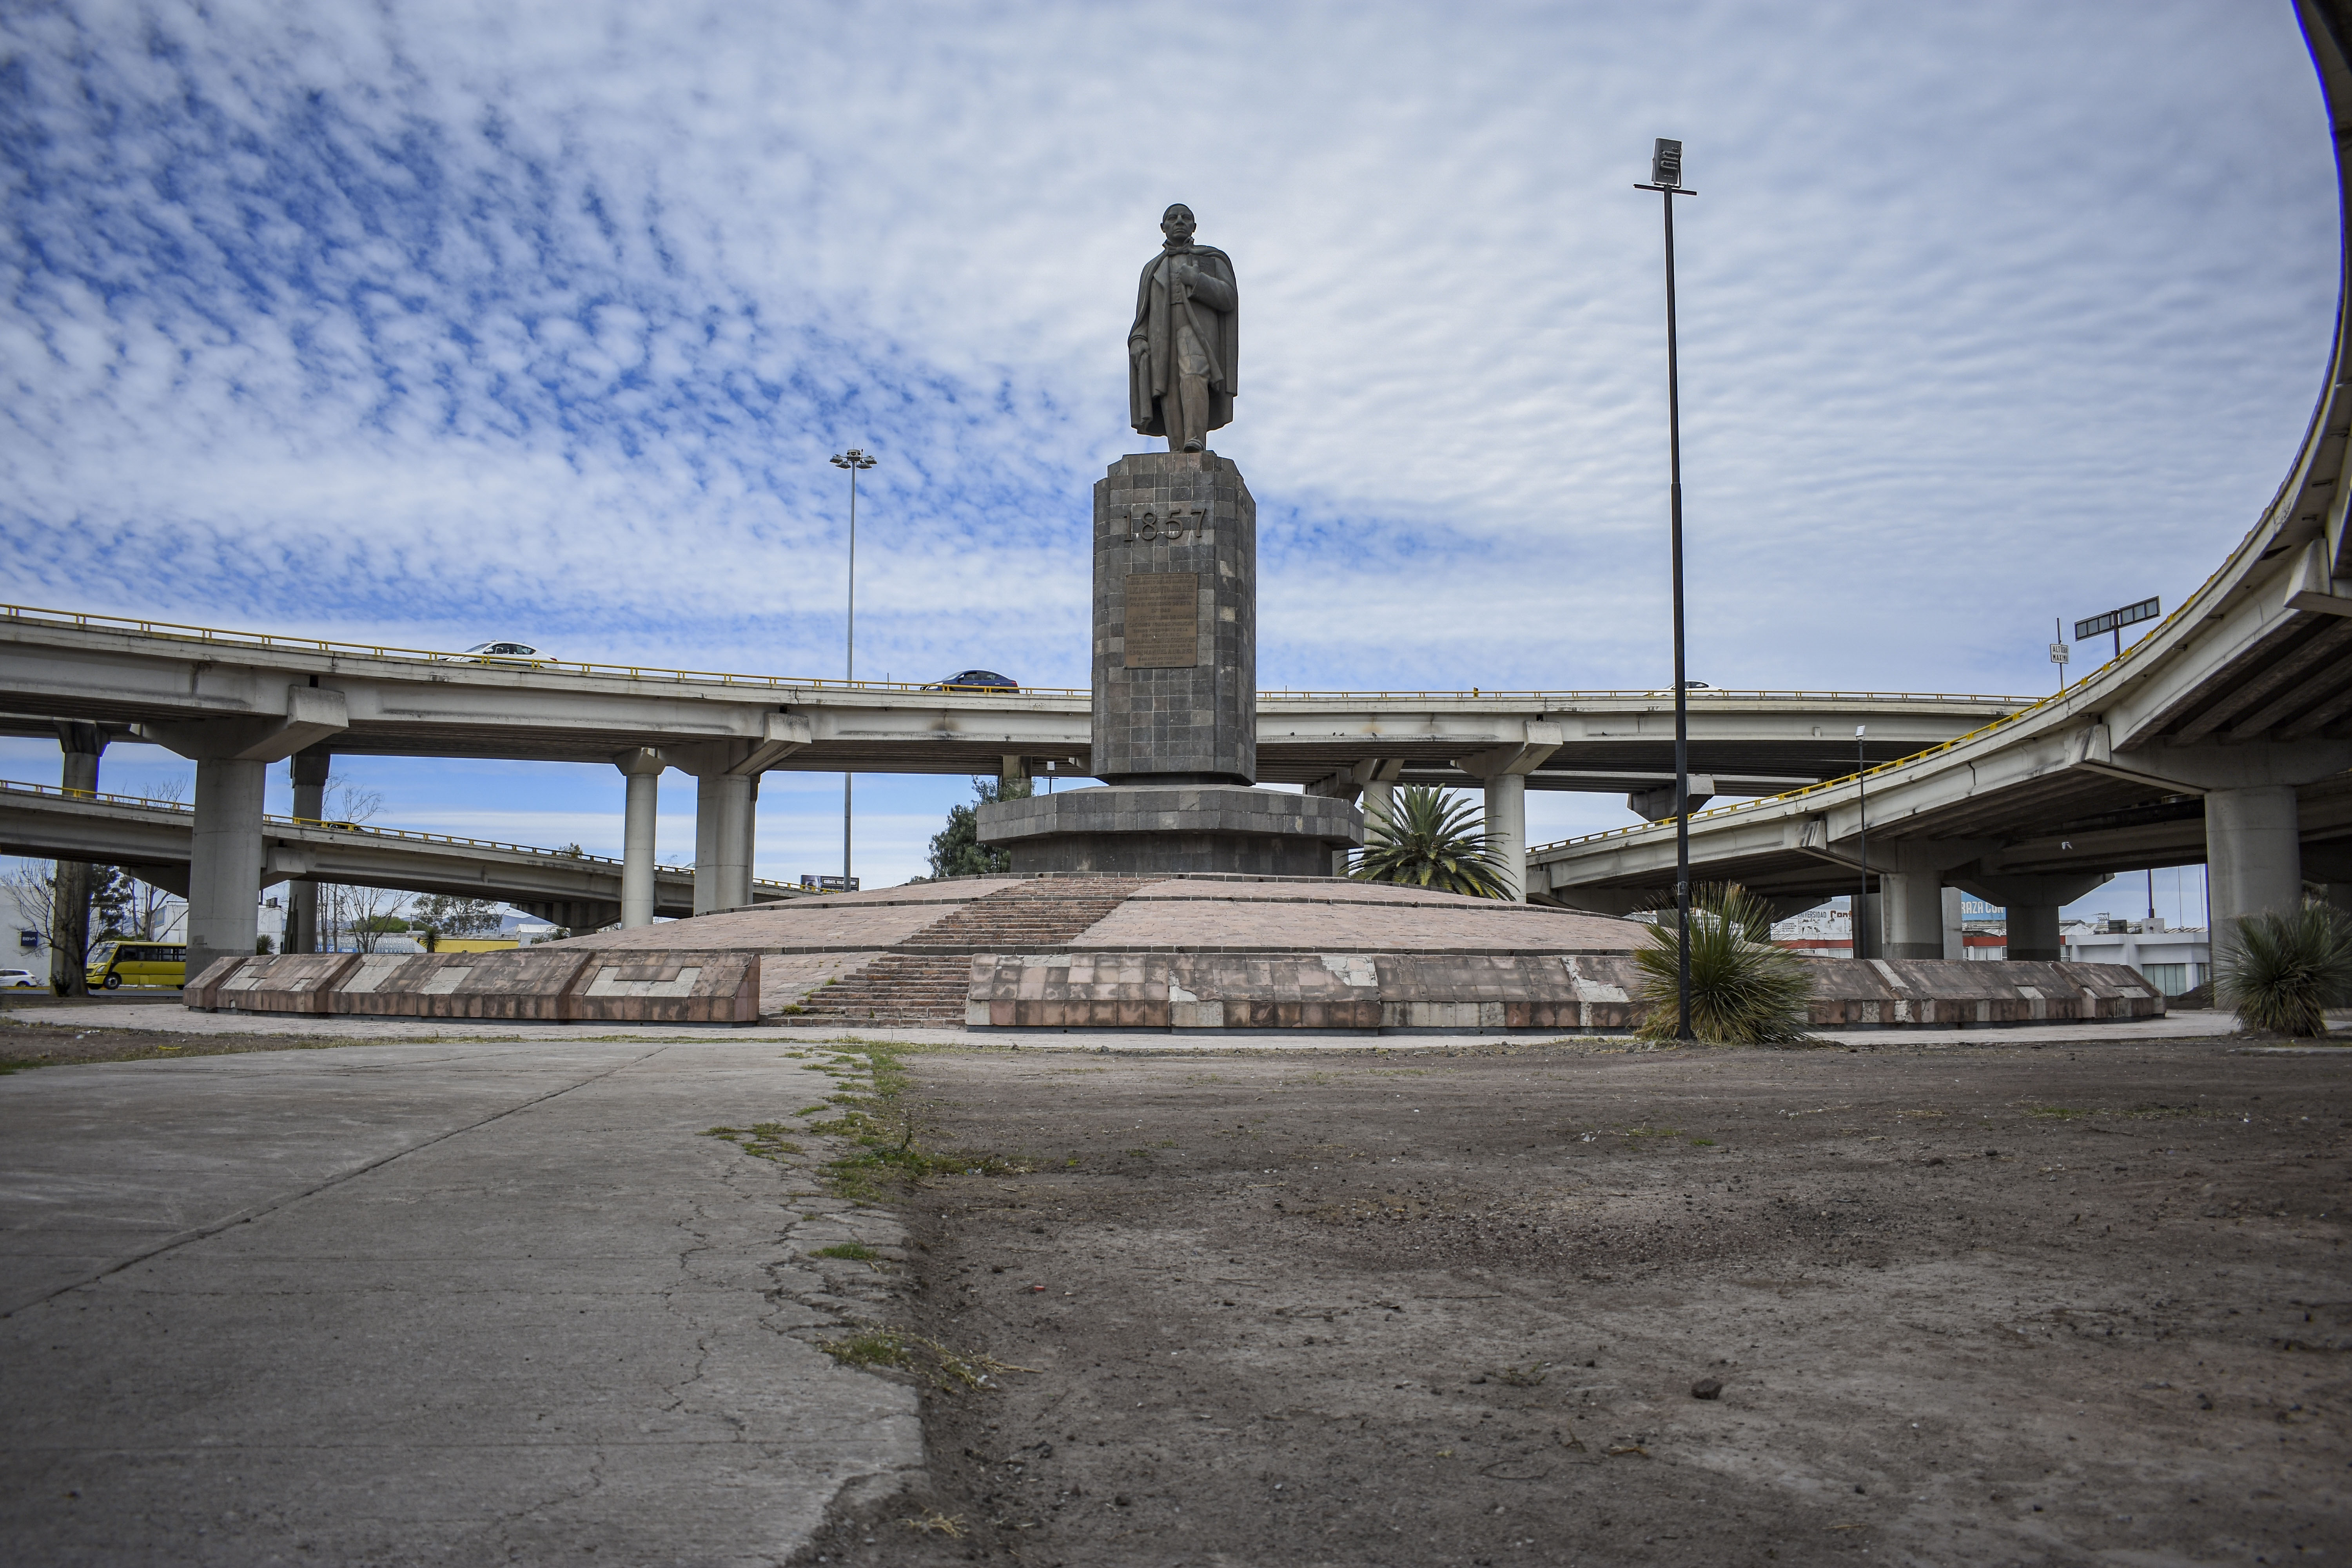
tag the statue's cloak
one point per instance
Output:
(1152, 377)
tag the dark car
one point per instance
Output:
(975, 680)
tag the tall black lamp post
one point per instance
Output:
(1861, 802)
(1666, 179)
(855, 460)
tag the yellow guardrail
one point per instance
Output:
(401, 834)
(182, 632)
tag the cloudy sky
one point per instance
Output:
(431, 324)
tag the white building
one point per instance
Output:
(2171, 960)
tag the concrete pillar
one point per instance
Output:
(1955, 925)
(642, 766)
(1912, 901)
(82, 744)
(723, 848)
(1506, 821)
(1377, 800)
(308, 771)
(225, 861)
(2253, 848)
(2033, 933)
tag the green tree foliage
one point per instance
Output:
(111, 895)
(439, 915)
(1429, 840)
(1745, 990)
(2282, 971)
(956, 849)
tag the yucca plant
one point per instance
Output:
(1744, 990)
(2281, 971)
(1428, 840)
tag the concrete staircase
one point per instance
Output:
(922, 981)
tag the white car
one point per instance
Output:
(519, 654)
(19, 980)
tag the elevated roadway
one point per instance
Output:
(2222, 736)
(234, 701)
(152, 840)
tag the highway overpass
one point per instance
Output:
(2223, 736)
(151, 839)
(236, 701)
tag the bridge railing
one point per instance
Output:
(218, 637)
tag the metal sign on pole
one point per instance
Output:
(2117, 620)
(1666, 179)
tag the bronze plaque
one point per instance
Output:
(1163, 620)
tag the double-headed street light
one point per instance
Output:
(854, 459)
(1666, 179)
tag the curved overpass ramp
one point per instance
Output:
(2224, 736)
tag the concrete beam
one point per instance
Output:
(1657, 803)
(781, 736)
(311, 715)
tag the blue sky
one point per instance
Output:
(434, 323)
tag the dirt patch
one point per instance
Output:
(42, 1042)
(1964, 1304)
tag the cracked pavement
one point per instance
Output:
(431, 1302)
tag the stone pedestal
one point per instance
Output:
(1175, 622)
(1175, 689)
(1165, 829)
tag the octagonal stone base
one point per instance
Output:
(1166, 828)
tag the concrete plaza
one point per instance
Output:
(428, 1302)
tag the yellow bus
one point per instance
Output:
(473, 944)
(116, 963)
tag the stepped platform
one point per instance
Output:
(1075, 951)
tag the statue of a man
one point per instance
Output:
(1183, 352)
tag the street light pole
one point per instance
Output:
(1862, 800)
(854, 459)
(1666, 179)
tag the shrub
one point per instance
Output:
(2281, 971)
(1744, 990)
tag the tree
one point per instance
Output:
(439, 916)
(36, 886)
(1428, 840)
(956, 849)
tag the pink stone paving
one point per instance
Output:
(1228, 920)
(882, 918)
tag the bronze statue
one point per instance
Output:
(1183, 353)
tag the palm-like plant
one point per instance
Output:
(1745, 990)
(1429, 840)
(2282, 971)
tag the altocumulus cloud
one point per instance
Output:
(428, 323)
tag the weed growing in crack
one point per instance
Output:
(855, 1251)
(883, 1127)
(764, 1140)
(902, 1349)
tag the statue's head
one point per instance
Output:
(1176, 223)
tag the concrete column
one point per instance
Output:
(1955, 926)
(642, 766)
(1377, 800)
(2253, 848)
(1507, 820)
(1913, 902)
(82, 744)
(2033, 932)
(308, 771)
(722, 863)
(225, 861)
